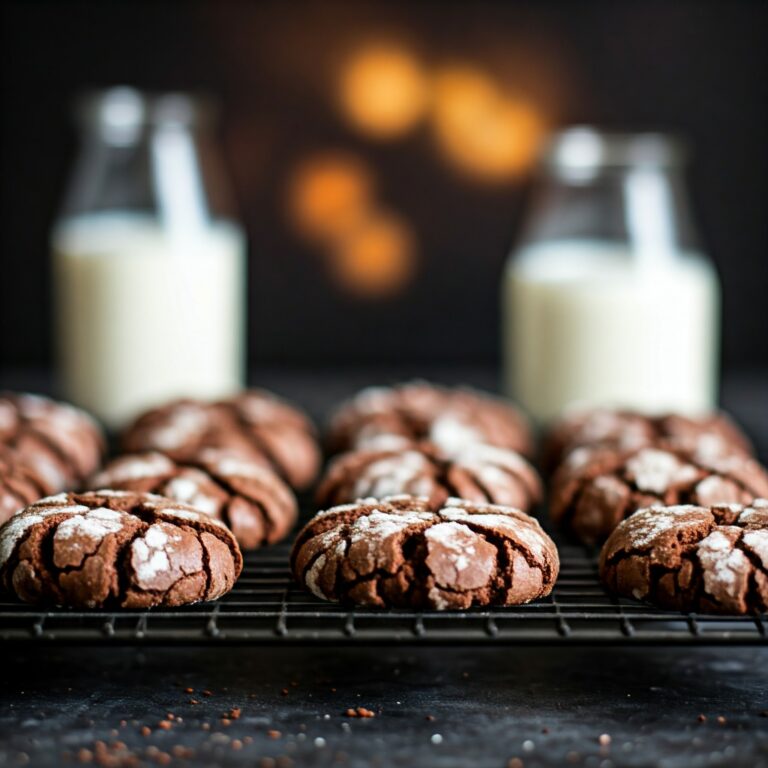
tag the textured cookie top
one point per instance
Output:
(596, 487)
(108, 547)
(414, 411)
(624, 430)
(402, 551)
(19, 484)
(57, 442)
(244, 493)
(702, 558)
(256, 423)
(479, 473)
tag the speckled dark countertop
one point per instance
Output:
(443, 707)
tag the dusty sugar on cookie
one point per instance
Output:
(594, 489)
(256, 424)
(622, 430)
(389, 417)
(406, 551)
(707, 559)
(123, 549)
(478, 473)
(58, 444)
(232, 489)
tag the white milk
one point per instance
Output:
(587, 324)
(142, 318)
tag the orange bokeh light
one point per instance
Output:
(376, 259)
(481, 129)
(383, 90)
(328, 194)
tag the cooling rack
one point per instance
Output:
(266, 607)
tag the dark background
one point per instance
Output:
(694, 68)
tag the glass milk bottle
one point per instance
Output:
(607, 299)
(148, 261)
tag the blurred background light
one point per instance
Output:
(328, 193)
(481, 129)
(377, 258)
(383, 90)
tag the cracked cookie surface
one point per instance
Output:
(388, 417)
(478, 473)
(404, 552)
(116, 549)
(624, 430)
(707, 559)
(244, 493)
(57, 443)
(19, 485)
(255, 423)
(596, 488)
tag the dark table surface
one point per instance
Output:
(285, 707)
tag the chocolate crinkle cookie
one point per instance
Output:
(594, 489)
(58, 444)
(389, 417)
(402, 551)
(19, 485)
(623, 430)
(116, 549)
(255, 423)
(249, 497)
(478, 473)
(692, 558)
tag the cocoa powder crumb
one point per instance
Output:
(194, 701)
(284, 691)
(207, 693)
(189, 690)
(702, 718)
(145, 730)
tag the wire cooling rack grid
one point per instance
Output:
(266, 607)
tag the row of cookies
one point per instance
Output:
(167, 520)
(681, 502)
(426, 504)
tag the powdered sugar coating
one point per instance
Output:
(451, 536)
(725, 567)
(135, 468)
(186, 490)
(757, 542)
(649, 523)
(449, 557)
(148, 553)
(655, 471)
(93, 524)
(12, 531)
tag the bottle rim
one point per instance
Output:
(587, 148)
